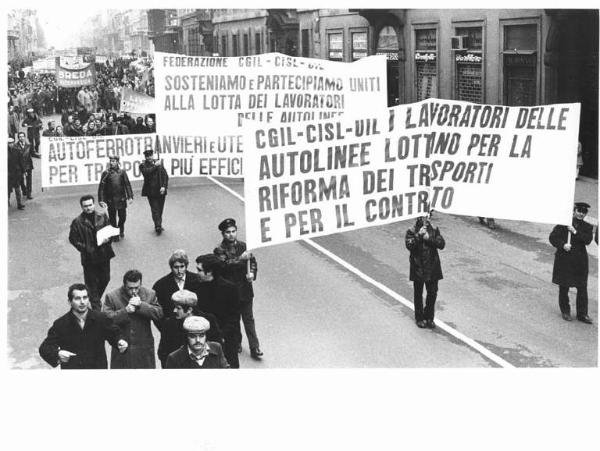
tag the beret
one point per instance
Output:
(196, 324)
(185, 298)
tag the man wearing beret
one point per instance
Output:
(571, 262)
(133, 308)
(76, 339)
(156, 181)
(239, 267)
(115, 193)
(197, 353)
(172, 334)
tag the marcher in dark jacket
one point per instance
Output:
(76, 339)
(156, 182)
(27, 163)
(423, 242)
(95, 258)
(197, 353)
(571, 262)
(15, 171)
(34, 125)
(115, 193)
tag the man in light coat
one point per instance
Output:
(133, 308)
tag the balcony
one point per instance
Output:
(13, 34)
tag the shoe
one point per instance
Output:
(115, 238)
(421, 324)
(491, 224)
(29, 197)
(239, 349)
(429, 324)
(21, 207)
(256, 353)
(482, 221)
(567, 317)
(122, 234)
(158, 230)
(36, 155)
(585, 319)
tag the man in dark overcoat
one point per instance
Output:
(115, 193)
(198, 352)
(133, 308)
(76, 339)
(423, 242)
(239, 267)
(95, 257)
(33, 123)
(156, 182)
(571, 262)
(27, 163)
(14, 174)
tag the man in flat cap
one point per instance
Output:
(172, 334)
(239, 267)
(571, 262)
(156, 181)
(115, 193)
(197, 353)
(76, 339)
(133, 308)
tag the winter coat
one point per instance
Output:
(155, 178)
(166, 286)
(135, 328)
(234, 270)
(424, 258)
(14, 168)
(181, 358)
(114, 188)
(25, 153)
(86, 343)
(571, 268)
(83, 237)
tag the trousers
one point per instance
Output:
(112, 216)
(157, 205)
(96, 276)
(581, 300)
(249, 326)
(26, 183)
(426, 313)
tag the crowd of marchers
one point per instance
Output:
(198, 313)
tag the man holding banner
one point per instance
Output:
(571, 262)
(156, 181)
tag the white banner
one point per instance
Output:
(323, 177)
(196, 93)
(80, 160)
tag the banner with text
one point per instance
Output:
(135, 102)
(317, 178)
(81, 160)
(74, 76)
(195, 92)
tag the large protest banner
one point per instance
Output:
(135, 102)
(74, 75)
(361, 170)
(212, 93)
(80, 160)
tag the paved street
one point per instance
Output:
(311, 311)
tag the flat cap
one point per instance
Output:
(582, 206)
(148, 152)
(185, 298)
(195, 325)
(30, 110)
(226, 223)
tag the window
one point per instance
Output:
(257, 41)
(305, 44)
(468, 82)
(224, 45)
(335, 46)
(520, 65)
(359, 45)
(426, 63)
(234, 43)
(246, 45)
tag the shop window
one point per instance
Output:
(258, 47)
(224, 45)
(305, 44)
(520, 65)
(426, 63)
(468, 84)
(359, 45)
(335, 46)
(234, 45)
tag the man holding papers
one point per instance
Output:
(95, 256)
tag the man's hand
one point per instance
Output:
(135, 301)
(162, 190)
(567, 247)
(103, 205)
(249, 277)
(572, 229)
(122, 345)
(64, 356)
(129, 201)
(129, 308)
(245, 255)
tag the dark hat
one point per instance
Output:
(148, 152)
(582, 206)
(226, 223)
